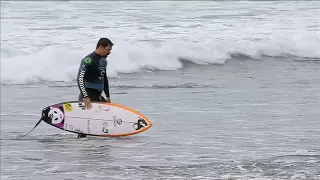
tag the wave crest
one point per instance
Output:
(59, 63)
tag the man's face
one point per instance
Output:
(106, 51)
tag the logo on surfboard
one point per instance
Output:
(67, 107)
(140, 124)
(104, 127)
(55, 116)
(81, 105)
(104, 107)
(116, 121)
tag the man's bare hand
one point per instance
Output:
(108, 100)
(87, 103)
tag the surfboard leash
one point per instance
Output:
(31, 129)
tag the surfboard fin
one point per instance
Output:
(31, 129)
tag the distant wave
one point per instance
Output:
(149, 86)
(53, 63)
(184, 86)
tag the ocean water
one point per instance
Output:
(232, 89)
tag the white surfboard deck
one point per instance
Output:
(103, 119)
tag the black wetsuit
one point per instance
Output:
(92, 78)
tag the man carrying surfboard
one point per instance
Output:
(92, 78)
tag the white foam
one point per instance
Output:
(55, 63)
(51, 43)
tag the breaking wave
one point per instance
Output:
(54, 63)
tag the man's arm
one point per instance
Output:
(80, 77)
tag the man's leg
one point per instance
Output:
(96, 95)
(102, 99)
(80, 99)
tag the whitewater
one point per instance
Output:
(148, 37)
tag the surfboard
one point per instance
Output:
(103, 119)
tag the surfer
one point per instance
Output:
(92, 78)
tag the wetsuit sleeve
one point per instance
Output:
(85, 63)
(106, 86)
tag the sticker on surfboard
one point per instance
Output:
(103, 119)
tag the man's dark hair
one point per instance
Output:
(104, 42)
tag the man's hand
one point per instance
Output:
(87, 103)
(108, 100)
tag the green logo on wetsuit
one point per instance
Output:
(88, 60)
